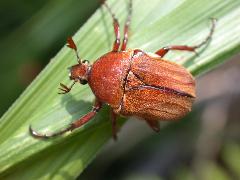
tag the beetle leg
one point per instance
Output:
(71, 44)
(114, 124)
(126, 27)
(162, 52)
(116, 43)
(154, 125)
(83, 120)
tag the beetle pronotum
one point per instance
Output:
(133, 82)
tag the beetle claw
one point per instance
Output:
(36, 134)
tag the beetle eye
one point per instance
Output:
(85, 62)
(83, 81)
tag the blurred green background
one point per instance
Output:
(205, 145)
(31, 33)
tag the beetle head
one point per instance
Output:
(79, 72)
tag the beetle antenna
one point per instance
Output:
(64, 89)
(213, 20)
(71, 44)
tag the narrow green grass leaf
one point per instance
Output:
(154, 25)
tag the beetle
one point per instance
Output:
(133, 82)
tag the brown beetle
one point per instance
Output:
(134, 83)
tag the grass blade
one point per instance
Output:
(154, 25)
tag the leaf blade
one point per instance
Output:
(47, 111)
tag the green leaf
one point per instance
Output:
(154, 25)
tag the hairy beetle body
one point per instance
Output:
(135, 83)
(107, 81)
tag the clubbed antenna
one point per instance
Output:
(71, 44)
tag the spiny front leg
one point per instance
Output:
(163, 51)
(83, 120)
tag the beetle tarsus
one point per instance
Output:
(116, 27)
(97, 106)
(163, 51)
(47, 136)
(214, 20)
(126, 27)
